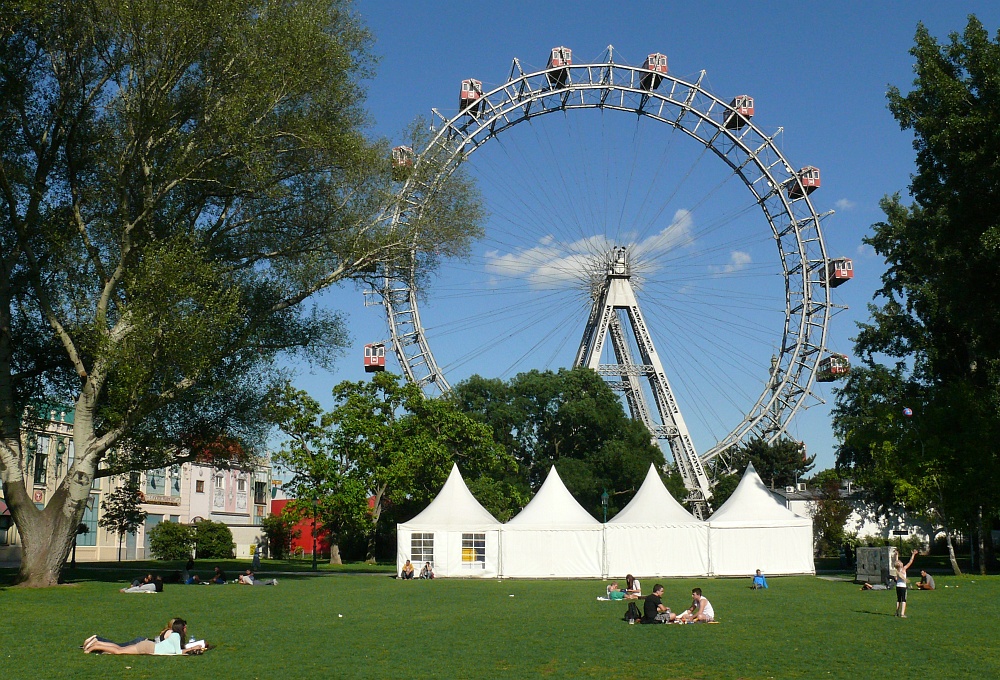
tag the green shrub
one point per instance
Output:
(280, 530)
(171, 541)
(213, 540)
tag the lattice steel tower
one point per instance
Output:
(614, 304)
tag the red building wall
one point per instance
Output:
(305, 529)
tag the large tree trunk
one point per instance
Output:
(46, 535)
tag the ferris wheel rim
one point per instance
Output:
(807, 306)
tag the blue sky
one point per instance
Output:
(818, 70)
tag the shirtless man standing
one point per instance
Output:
(701, 610)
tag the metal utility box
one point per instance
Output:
(875, 564)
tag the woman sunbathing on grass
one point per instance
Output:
(171, 644)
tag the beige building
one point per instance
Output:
(182, 493)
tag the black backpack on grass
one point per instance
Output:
(633, 613)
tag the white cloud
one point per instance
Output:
(553, 263)
(844, 204)
(738, 260)
(865, 250)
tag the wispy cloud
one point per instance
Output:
(738, 260)
(844, 204)
(865, 250)
(554, 263)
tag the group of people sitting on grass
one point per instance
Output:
(170, 641)
(654, 611)
(631, 591)
(151, 584)
(407, 571)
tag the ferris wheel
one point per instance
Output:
(740, 270)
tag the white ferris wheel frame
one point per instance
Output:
(686, 106)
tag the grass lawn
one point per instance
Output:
(802, 627)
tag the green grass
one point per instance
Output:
(803, 627)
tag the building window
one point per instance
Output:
(422, 548)
(156, 481)
(175, 481)
(151, 521)
(241, 485)
(90, 521)
(199, 486)
(41, 460)
(260, 493)
(473, 551)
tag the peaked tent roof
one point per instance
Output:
(553, 506)
(752, 503)
(653, 504)
(454, 507)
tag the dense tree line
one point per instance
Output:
(919, 419)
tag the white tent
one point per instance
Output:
(753, 530)
(655, 536)
(454, 533)
(552, 537)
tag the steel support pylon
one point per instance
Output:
(613, 295)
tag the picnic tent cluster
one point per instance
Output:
(554, 537)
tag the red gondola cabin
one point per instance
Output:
(657, 63)
(742, 111)
(374, 357)
(803, 184)
(402, 162)
(838, 271)
(469, 99)
(559, 59)
(833, 367)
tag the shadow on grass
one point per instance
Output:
(868, 611)
(123, 573)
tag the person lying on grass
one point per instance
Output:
(150, 585)
(248, 578)
(159, 638)
(171, 644)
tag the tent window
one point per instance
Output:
(422, 548)
(474, 551)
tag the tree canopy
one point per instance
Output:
(930, 315)
(177, 180)
(383, 447)
(571, 419)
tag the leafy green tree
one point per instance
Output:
(213, 540)
(121, 511)
(323, 488)
(942, 252)
(177, 181)
(906, 462)
(280, 531)
(384, 445)
(832, 513)
(172, 541)
(571, 419)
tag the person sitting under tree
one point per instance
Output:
(926, 581)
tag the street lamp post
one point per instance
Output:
(604, 503)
